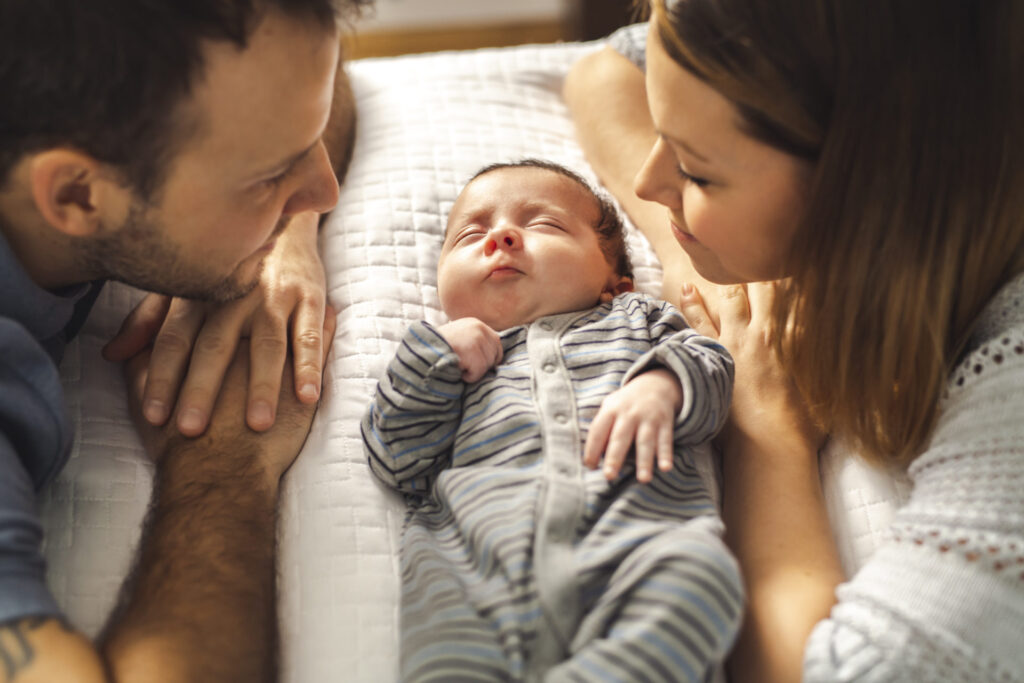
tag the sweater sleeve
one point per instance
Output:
(410, 425)
(943, 597)
(703, 366)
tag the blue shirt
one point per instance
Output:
(35, 433)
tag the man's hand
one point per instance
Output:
(229, 444)
(193, 343)
(641, 414)
(477, 346)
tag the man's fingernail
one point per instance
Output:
(260, 413)
(687, 289)
(191, 421)
(155, 411)
(309, 392)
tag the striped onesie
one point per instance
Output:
(517, 562)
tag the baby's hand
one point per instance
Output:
(477, 346)
(643, 412)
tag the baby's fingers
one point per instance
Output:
(597, 438)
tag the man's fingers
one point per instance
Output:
(138, 329)
(307, 350)
(269, 352)
(330, 326)
(213, 352)
(171, 351)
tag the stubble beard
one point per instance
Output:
(139, 254)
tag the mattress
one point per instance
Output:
(426, 123)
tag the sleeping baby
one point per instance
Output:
(546, 441)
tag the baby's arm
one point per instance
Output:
(409, 428)
(685, 376)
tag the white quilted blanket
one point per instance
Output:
(426, 123)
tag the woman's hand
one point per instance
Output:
(765, 402)
(193, 342)
(772, 503)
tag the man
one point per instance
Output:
(178, 146)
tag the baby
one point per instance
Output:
(519, 560)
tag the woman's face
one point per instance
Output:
(733, 202)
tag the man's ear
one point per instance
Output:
(621, 286)
(67, 187)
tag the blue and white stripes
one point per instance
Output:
(518, 561)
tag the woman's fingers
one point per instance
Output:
(691, 305)
(761, 296)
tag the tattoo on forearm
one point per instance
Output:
(16, 652)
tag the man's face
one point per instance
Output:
(255, 159)
(521, 244)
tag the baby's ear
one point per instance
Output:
(621, 286)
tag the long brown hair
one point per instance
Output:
(913, 114)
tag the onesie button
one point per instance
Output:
(546, 326)
(561, 418)
(548, 367)
(563, 469)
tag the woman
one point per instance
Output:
(870, 153)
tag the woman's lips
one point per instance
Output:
(682, 236)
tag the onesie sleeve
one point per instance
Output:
(703, 366)
(942, 598)
(410, 426)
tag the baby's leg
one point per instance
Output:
(456, 627)
(670, 612)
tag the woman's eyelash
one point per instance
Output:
(699, 182)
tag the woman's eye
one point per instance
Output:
(699, 182)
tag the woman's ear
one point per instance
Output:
(621, 285)
(66, 186)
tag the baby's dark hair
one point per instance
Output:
(609, 228)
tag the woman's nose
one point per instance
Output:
(655, 179)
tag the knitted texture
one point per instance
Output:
(943, 599)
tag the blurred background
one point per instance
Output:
(397, 27)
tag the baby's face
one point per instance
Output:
(520, 244)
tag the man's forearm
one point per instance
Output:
(200, 604)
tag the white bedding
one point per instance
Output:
(426, 123)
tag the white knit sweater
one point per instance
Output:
(943, 598)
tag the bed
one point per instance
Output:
(427, 122)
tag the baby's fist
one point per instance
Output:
(477, 346)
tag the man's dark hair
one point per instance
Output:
(609, 227)
(107, 77)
